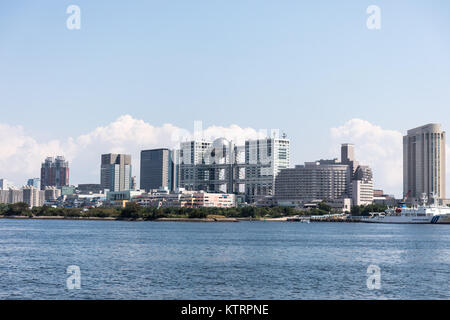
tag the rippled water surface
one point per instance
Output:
(245, 260)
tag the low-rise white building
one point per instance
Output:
(184, 198)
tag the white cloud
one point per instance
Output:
(377, 147)
(380, 148)
(21, 155)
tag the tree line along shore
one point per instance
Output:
(133, 211)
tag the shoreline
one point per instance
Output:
(121, 219)
(211, 219)
(224, 219)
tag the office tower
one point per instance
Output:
(347, 152)
(54, 172)
(424, 162)
(264, 158)
(193, 152)
(360, 187)
(222, 166)
(35, 182)
(115, 172)
(204, 165)
(348, 156)
(157, 169)
(176, 169)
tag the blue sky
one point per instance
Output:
(303, 67)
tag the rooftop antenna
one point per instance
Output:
(424, 198)
(434, 196)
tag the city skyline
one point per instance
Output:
(364, 132)
(313, 70)
(226, 155)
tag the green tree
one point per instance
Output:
(18, 209)
(132, 210)
(324, 206)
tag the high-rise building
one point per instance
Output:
(35, 182)
(362, 186)
(193, 152)
(319, 180)
(115, 172)
(347, 152)
(424, 162)
(348, 156)
(326, 180)
(264, 158)
(54, 172)
(157, 169)
(206, 166)
(223, 167)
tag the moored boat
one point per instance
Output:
(422, 214)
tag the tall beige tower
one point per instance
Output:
(424, 162)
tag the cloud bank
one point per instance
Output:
(379, 148)
(22, 155)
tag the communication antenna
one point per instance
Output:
(424, 198)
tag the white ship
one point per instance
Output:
(422, 214)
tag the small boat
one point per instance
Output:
(298, 219)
